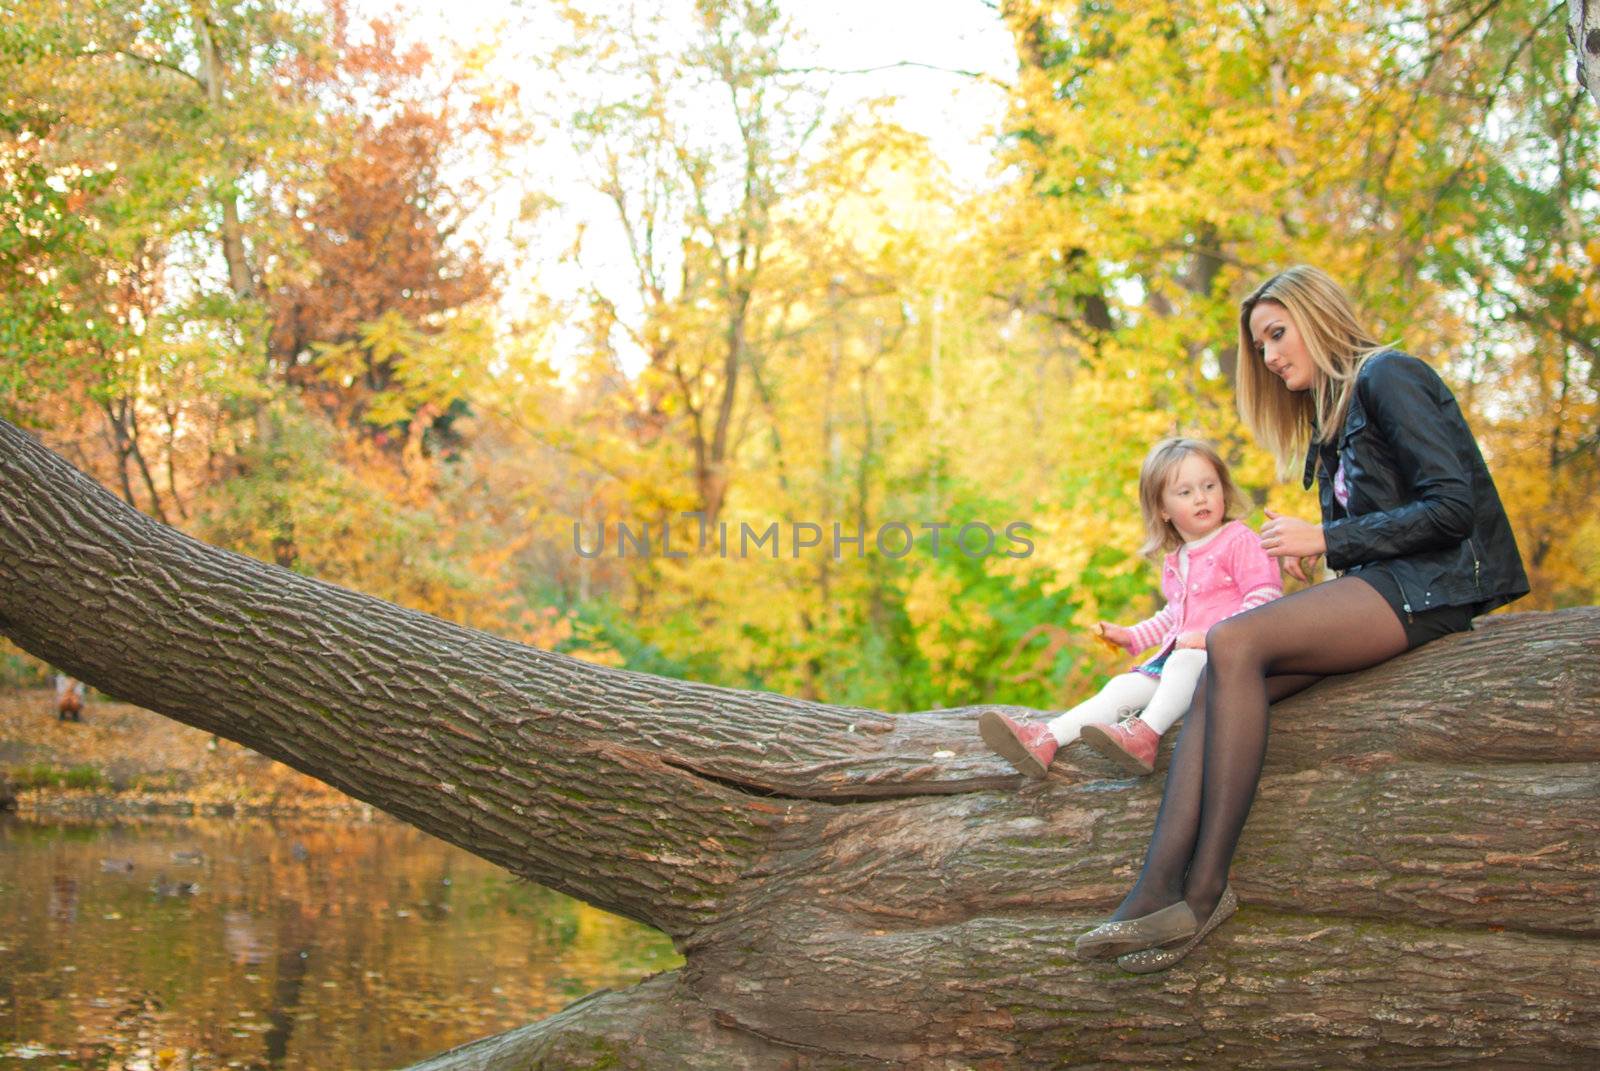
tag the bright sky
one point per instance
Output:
(956, 35)
(956, 112)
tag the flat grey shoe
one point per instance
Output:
(1173, 923)
(1159, 959)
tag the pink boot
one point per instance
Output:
(1131, 745)
(1027, 745)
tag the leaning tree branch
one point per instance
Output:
(641, 795)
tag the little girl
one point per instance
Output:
(1214, 568)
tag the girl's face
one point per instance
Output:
(1278, 342)
(1192, 499)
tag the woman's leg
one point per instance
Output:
(1337, 627)
(1121, 696)
(1178, 822)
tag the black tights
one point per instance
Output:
(1252, 660)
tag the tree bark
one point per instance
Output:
(853, 889)
(1583, 30)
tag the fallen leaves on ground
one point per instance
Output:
(127, 758)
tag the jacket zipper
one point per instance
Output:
(1405, 600)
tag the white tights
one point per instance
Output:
(1163, 700)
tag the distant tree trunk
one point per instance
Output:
(853, 889)
(241, 280)
(1583, 30)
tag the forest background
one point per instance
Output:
(259, 278)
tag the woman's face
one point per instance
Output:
(1280, 346)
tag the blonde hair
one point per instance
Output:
(1162, 536)
(1283, 420)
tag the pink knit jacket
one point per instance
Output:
(1227, 576)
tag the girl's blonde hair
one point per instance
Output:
(1283, 420)
(1161, 536)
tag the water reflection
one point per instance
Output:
(188, 943)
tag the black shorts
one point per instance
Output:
(1420, 626)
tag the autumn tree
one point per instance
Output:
(693, 137)
(388, 260)
(1174, 155)
(250, 295)
(157, 125)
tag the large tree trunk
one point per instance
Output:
(852, 889)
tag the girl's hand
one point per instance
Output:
(1303, 569)
(1192, 641)
(1113, 636)
(1290, 537)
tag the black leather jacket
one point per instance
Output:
(1421, 498)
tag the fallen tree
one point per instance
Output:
(855, 889)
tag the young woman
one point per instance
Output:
(1410, 519)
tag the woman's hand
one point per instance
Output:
(1114, 636)
(1192, 641)
(1290, 537)
(1296, 542)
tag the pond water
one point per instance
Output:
(192, 943)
